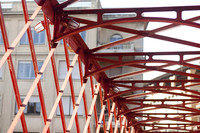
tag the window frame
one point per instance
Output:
(113, 39)
(1, 73)
(1, 38)
(80, 111)
(33, 32)
(75, 72)
(31, 69)
(27, 109)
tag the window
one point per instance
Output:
(1, 38)
(62, 72)
(38, 38)
(114, 38)
(83, 35)
(26, 70)
(68, 106)
(32, 108)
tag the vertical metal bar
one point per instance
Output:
(60, 94)
(71, 84)
(30, 92)
(120, 118)
(110, 118)
(34, 60)
(132, 130)
(100, 117)
(12, 71)
(102, 103)
(84, 96)
(125, 127)
(76, 106)
(95, 108)
(53, 63)
(17, 39)
(109, 112)
(123, 124)
(115, 116)
(91, 108)
(116, 126)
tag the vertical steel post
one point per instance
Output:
(91, 108)
(116, 118)
(30, 92)
(95, 108)
(110, 118)
(102, 103)
(76, 106)
(55, 75)
(123, 124)
(84, 96)
(116, 126)
(60, 94)
(34, 60)
(100, 118)
(120, 118)
(71, 83)
(12, 71)
(132, 130)
(109, 112)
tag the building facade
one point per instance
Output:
(14, 21)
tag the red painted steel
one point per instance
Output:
(109, 112)
(95, 108)
(102, 103)
(53, 64)
(71, 84)
(84, 95)
(93, 69)
(12, 71)
(34, 60)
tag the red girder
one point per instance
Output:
(34, 60)
(71, 84)
(57, 15)
(169, 106)
(123, 29)
(161, 119)
(158, 91)
(143, 71)
(133, 10)
(162, 128)
(141, 33)
(53, 63)
(12, 71)
(147, 88)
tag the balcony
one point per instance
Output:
(126, 47)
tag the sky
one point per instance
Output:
(154, 45)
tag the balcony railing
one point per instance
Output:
(125, 46)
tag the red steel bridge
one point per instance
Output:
(66, 27)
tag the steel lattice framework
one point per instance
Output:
(125, 116)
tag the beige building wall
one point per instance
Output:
(14, 21)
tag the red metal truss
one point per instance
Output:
(124, 99)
